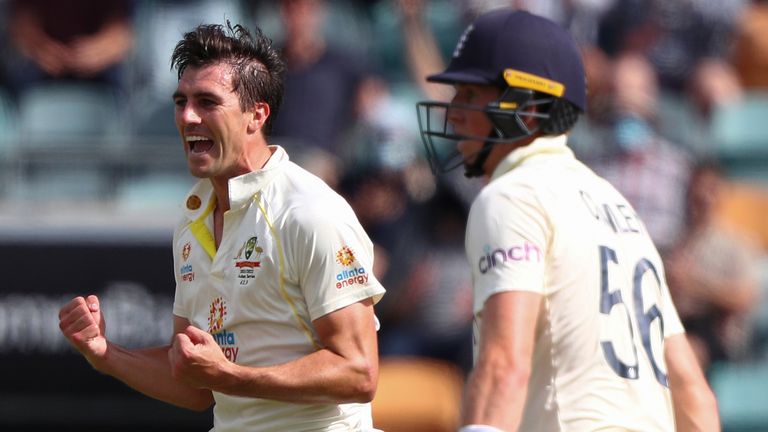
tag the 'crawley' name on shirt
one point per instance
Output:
(620, 218)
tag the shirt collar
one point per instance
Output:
(540, 146)
(241, 188)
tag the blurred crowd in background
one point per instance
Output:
(677, 121)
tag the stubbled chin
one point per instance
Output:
(199, 164)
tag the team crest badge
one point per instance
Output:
(248, 259)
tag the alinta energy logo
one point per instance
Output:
(353, 275)
(217, 314)
(345, 256)
(187, 273)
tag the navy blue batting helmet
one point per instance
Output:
(518, 49)
(537, 66)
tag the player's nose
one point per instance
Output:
(188, 115)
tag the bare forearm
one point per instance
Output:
(695, 410)
(321, 377)
(694, 402)
(148, 371)
(495, 399)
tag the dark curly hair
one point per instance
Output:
(258, 69)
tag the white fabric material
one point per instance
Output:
(292, 251)
(479, 428)
(547, 224)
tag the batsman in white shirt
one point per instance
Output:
(574, 326)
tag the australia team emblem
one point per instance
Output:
(248, 259)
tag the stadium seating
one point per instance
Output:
(740, 134)
(740, 390)
(68, 136)
(417, 394)
(679, 123)
(79, 114)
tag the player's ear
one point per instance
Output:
(259, 114)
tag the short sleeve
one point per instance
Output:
(334, 260)
(507, 242)
(672, 323)
(180, 306)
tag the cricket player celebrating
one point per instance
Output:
(574, 326)
(273, 312)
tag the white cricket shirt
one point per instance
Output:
(547, 224)
(292, 251)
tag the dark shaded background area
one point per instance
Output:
(45, 385)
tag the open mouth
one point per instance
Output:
(199, 144)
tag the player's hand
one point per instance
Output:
(84, 327)
(196, 359)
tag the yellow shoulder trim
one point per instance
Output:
(201, 231)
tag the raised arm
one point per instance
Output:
(694, 402)
(344, 370)
(146, 370)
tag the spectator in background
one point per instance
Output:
(320, 83)
(380, 199)
(712, 275)
(429, 310)
(423, 56)
(712, 85)
(383, 133)
(684, 41)
(81, 40)
(673, 35)
(750, 57)
(421, 50)
(647, 169)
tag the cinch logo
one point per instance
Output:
(493, 258)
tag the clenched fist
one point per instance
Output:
(196, 359)
(83, 325)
